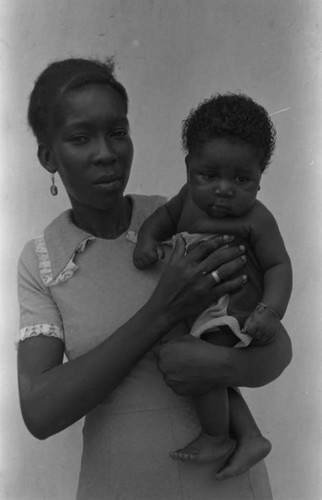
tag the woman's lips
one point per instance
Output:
(106, 180)
(108, 183)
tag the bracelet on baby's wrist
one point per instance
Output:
(262, 307)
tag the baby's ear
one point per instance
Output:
(45, 157)
(187, 162)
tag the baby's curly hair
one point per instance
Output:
(231, 115)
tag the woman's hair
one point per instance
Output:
(57, 80)
(235, 116)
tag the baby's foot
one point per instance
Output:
(249, 450)
(206, 448)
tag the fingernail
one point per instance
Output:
(228, 237)
(244, 276)
(242, 247)
(243, 257)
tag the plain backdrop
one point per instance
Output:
(171, 55)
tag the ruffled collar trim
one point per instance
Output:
(62, 239)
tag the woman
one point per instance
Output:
(80, 295)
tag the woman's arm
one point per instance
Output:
(192, 366)
(55, 395)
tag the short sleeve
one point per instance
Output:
(39, 314)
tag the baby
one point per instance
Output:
(229, 140)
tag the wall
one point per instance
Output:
(172, 54)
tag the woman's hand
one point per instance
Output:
(192, 366)
(187, 286)
(184, 364)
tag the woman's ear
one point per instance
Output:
(45, 156)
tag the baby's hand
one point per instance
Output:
(147, 252)
(262, 325)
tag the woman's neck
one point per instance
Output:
(107, 224)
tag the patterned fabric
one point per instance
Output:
(47, 330)
(45, 265)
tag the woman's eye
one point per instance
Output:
(119, 133)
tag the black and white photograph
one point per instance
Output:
(161, 282)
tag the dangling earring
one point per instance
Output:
(53, 187)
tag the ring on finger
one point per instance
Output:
(216, 277)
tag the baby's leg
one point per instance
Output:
(213, 443)
(251, 445)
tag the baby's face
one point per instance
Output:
(224, 177)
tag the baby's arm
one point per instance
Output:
(271, 253)
(161, 225)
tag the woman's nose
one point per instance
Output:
(224, 188)
(104, 152)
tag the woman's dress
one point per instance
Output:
(81, 289)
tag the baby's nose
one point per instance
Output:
(224, 188)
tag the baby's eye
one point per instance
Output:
(209, 176)
(242, 180)
(79, 139)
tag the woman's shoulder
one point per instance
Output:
(29, 251)
(53, 250)
(142, 207)
(27, 257)
(147, 202)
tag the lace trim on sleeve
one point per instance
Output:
(41, 329)
(45, 265)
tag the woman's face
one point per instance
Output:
(91, 148)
